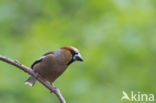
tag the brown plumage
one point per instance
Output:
(52, 64)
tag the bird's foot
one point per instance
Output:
(53, 87)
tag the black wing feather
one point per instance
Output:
(37, 61)
(40, 59)
(48, 53)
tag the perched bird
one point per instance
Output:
(52, 64)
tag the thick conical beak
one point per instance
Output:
(78, 57)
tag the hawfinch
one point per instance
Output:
(52, 64)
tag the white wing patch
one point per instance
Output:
(37, 61)
(41, 58)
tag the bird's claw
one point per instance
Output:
(53, 87)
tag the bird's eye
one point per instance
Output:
(72, 52)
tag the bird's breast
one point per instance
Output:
(50, 68)
(50, 71)
(53, 72)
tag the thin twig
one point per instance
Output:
(56, 91)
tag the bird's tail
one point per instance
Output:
(30, 81)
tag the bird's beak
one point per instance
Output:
(78, 57)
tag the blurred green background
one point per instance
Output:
(117, 39)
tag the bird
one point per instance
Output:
(52, 64)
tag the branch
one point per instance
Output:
(56, 91)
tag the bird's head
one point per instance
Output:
(71, 54)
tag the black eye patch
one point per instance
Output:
(72, 52)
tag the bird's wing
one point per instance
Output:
(37, 61)
(48, 53)
(40, 59)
